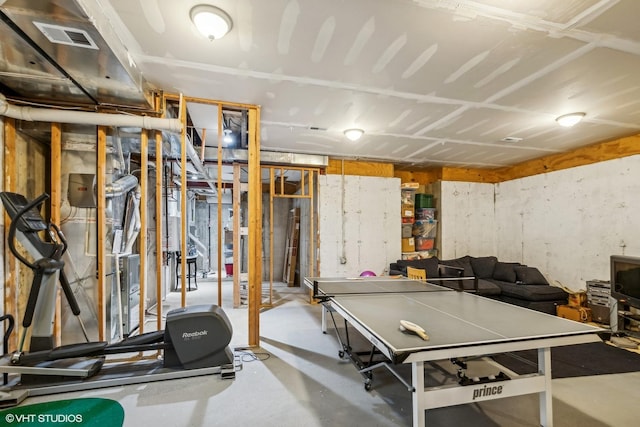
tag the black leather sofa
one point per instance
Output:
(510, 282)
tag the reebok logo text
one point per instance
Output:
(187, 335)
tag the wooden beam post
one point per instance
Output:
(219, 206)
(11, 264)
(237, 255)
(56, 201)
(159, 248)
(101, 220)
(255, 228)
(144, 164)
(183, 202)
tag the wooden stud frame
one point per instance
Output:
(142, 237)
(306, 190)
(159, 253)
(255, 228)
(183, 202)
(11, 264)
(237, 192)
(219, 187)
(254, 207)
(56, 201)
(101, 220)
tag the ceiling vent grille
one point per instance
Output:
(66, 35)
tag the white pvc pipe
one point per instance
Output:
(197, 242)
(204, 253)
(83, 117)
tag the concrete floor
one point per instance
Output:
(295, 378)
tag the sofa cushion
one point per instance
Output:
(548, 307)
(428, 264)
(483, 266)
(505, 271)
(487, 287)
(530, 292)
(462, 262)
(529, 276)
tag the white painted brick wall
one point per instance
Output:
(566, 223)
(372, 224)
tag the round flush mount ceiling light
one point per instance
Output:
(569, 120)
(213, 23)
(353, 134)
(228, 137)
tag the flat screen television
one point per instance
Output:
(625, 279)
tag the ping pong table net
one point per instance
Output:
(416, 273)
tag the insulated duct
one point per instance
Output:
(121, 186)
(195, 159)
(268, 157)
(82, 117)
(197, 163)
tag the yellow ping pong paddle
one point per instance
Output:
(405, 325)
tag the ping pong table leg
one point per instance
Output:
(417, 397)
(546, 397)
(345, 346)
(324, 318)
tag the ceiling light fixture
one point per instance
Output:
(569, 120)
(511, 139)
(213, 23)
(353, 134)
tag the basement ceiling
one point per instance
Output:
(432, 82)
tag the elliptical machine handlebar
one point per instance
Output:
(26, 218)
(60, 237)
(19, 220)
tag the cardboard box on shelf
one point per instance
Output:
(408, 245)
(410, 186)
(407, 210)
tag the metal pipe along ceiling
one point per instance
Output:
(88, 118)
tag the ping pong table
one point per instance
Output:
(459, 325)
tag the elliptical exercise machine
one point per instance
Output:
(194, 342)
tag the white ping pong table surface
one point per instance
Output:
(458, 324)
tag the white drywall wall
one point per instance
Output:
(366, 233)
(566, 223)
